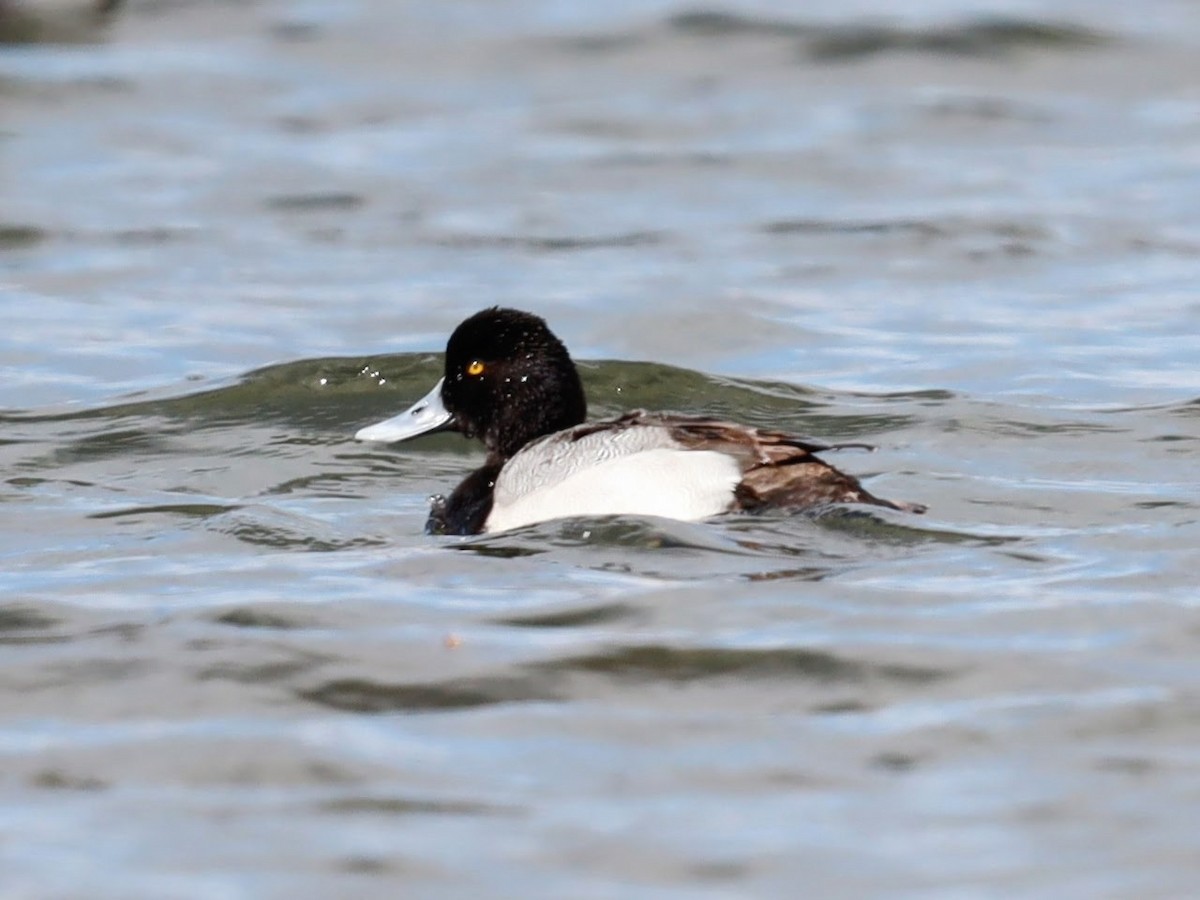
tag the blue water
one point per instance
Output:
(233, 665)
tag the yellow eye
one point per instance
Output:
(475, 368)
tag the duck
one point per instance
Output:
(510, 383)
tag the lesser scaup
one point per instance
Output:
(511, 383)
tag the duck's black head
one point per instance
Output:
(510, 380)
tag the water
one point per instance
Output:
(231, 234)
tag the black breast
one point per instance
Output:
(468, 507)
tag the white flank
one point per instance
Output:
(661, 481)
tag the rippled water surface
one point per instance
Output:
(233, 665)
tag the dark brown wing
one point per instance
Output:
(805, 483)
(779, 470)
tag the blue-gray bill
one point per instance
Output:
(426, 415)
